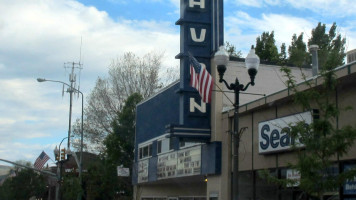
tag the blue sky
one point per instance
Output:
(37, 37)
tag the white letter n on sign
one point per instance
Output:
(193, 33)
(193, 105)
(200, 3)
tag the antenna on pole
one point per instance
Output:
(80, 50)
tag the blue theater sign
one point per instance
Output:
(201, 32)
(176, 116)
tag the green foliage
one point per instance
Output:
(322, 141)
(283, 55)
(297, 51)
(266, 48)
(331, 46)
(24, 185)
(71, 187)
(101, 180)
(119, 147)
(102, 183)
(120, 144)
(331, 51)
(231, 49)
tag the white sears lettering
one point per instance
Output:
(194, 35)
(193, 105)
(200, 3)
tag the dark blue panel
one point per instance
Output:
(152, 169)
(154, 148)
(211, 158)
(153, 115)
(134, 173)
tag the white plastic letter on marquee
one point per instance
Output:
(193, 105)
(194, 35)
(200, 3)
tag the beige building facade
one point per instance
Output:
(278, 105)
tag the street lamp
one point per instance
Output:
(71, 89)
(252, 63)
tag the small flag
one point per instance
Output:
(200, 79)
(41, 160)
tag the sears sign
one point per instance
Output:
(273, 135)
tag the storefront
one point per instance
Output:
(264, 145)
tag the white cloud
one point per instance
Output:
(28, 111)
(36, 38)
(243, 29)
(323, 7)
(251, 3)
(28, 152)
(326, 7)
(48, 33)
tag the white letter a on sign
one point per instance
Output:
(200, 3)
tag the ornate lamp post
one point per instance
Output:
(252, 63)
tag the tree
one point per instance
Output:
(24, 185)
(121, 151)
(70, 187)
(297, 51)
(127, 75)
(266, 48)
(101, 180)
(322, 140)
(119, 145)
(331, 45)
(282, 55)
(231, 49)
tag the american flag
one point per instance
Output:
(41, 160)
(200, 79)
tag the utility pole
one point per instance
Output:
(72, 89)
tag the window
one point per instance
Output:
(145, 151)
(159, 146)
(264, 189)
(164, 145)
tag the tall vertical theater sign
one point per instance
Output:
(201, 32)
(176, 115)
